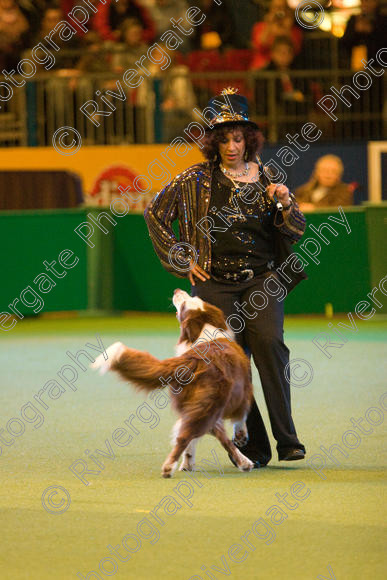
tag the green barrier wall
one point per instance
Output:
(343, 277)
(122, 272)
(27, 239)
(376, 220)
(140, 282)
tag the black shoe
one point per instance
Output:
(293, 454)
(257, 464)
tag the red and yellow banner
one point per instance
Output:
(144, 169)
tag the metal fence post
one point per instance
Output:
(32, 128)
(158, 114)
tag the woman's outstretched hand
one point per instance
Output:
(198, 272)
(280, 191)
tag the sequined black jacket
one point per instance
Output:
(187, 198)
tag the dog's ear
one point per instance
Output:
(181, 313)
(191, 328)
(215, 316)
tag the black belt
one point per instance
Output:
(243, 275)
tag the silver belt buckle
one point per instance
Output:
(249, 272)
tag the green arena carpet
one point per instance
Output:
(222, 524)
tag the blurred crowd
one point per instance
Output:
(262, 36)
(127, 27)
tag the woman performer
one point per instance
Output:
(236, 228)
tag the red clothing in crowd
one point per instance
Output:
(99, 22)
(92, 24)
(262, 51)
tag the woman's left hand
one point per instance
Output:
(280, 191)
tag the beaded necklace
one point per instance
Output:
(228, 173)
(235, 190)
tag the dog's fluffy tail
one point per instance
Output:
(139, 368)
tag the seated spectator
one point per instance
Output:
(14, 30)
(163, 10)
(129, 50)
(63, 58)
(129, 9)
(131, 47)
(282, 57)
(364, 35)
(291, 103)
(279, 21)
(178, 98)
(51, 15)
(95, 58)
(325, 188)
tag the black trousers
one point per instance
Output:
(258, 326)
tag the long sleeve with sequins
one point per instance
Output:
(159, 216)
(292, 223)
(186, 199)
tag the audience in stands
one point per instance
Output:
(231, 38)
(218, 24)
(282, 58)
(221, 31)
(97, 20)
(52, 15)
(14, 32)
(364, 35)
(124, 10)
(279, 21)
(281, 96)
(325, 188)
(131, 45)
(94, 59)
(179, 98)
(163, 10)
(33, 11)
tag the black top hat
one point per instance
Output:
(229, 109)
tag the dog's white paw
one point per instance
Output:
(168, 469)
(112, 352)
(247, 465)
(243, 462)
(187, 465)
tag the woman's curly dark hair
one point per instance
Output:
(253, 139)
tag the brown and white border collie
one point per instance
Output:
(205, 390)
